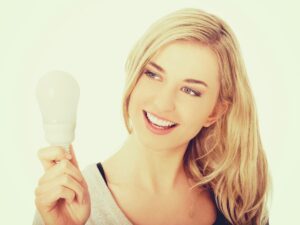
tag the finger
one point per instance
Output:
(63, 167)
(56, 184)
(73, 159)
(50, 155)
(50, 199)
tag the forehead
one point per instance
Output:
(188, 59)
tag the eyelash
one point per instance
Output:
(147, 72)
(188, 90)
(194, 93)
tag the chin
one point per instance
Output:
(162, 144)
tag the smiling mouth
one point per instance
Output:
(157, 122)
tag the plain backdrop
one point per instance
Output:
(91, 40)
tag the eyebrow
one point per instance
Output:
(159, 68)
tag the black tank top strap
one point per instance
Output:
(101, 170)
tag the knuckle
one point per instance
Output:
(36, 191)
(81, 180)
(64, 164)
(60, 150)
(39, 153)
(42, 202)
(42, 152)
(80, 188)
(79, 177)
(37, 201)
(65, 179)
(60, 190)
(84, 183)
(40, 181)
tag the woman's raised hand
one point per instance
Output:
(62, 196)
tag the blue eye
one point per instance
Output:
(152, 75)
(191, 91)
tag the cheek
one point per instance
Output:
(195, 116)
(143, 92)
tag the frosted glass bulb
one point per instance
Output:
(57, 94)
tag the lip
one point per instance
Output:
(156, 130)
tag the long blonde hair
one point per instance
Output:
(228, 156)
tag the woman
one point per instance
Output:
(193, 154)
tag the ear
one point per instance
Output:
(219, 110)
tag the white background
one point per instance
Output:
(91, 40)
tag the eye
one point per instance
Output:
(191, 91)
(152, 75)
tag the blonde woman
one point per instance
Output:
(193, 154)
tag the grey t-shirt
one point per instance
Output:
(104, 209)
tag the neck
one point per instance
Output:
(156, 170)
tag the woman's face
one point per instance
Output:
(175, 95)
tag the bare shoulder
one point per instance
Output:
(112, 169)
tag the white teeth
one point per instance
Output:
(159, 122)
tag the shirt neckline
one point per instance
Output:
(112, 200)
(118, 210)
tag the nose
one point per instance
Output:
(165, 100)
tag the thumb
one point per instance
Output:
(73, 160)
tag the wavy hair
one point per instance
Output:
(226, 157)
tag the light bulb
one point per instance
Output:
(57, 93)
